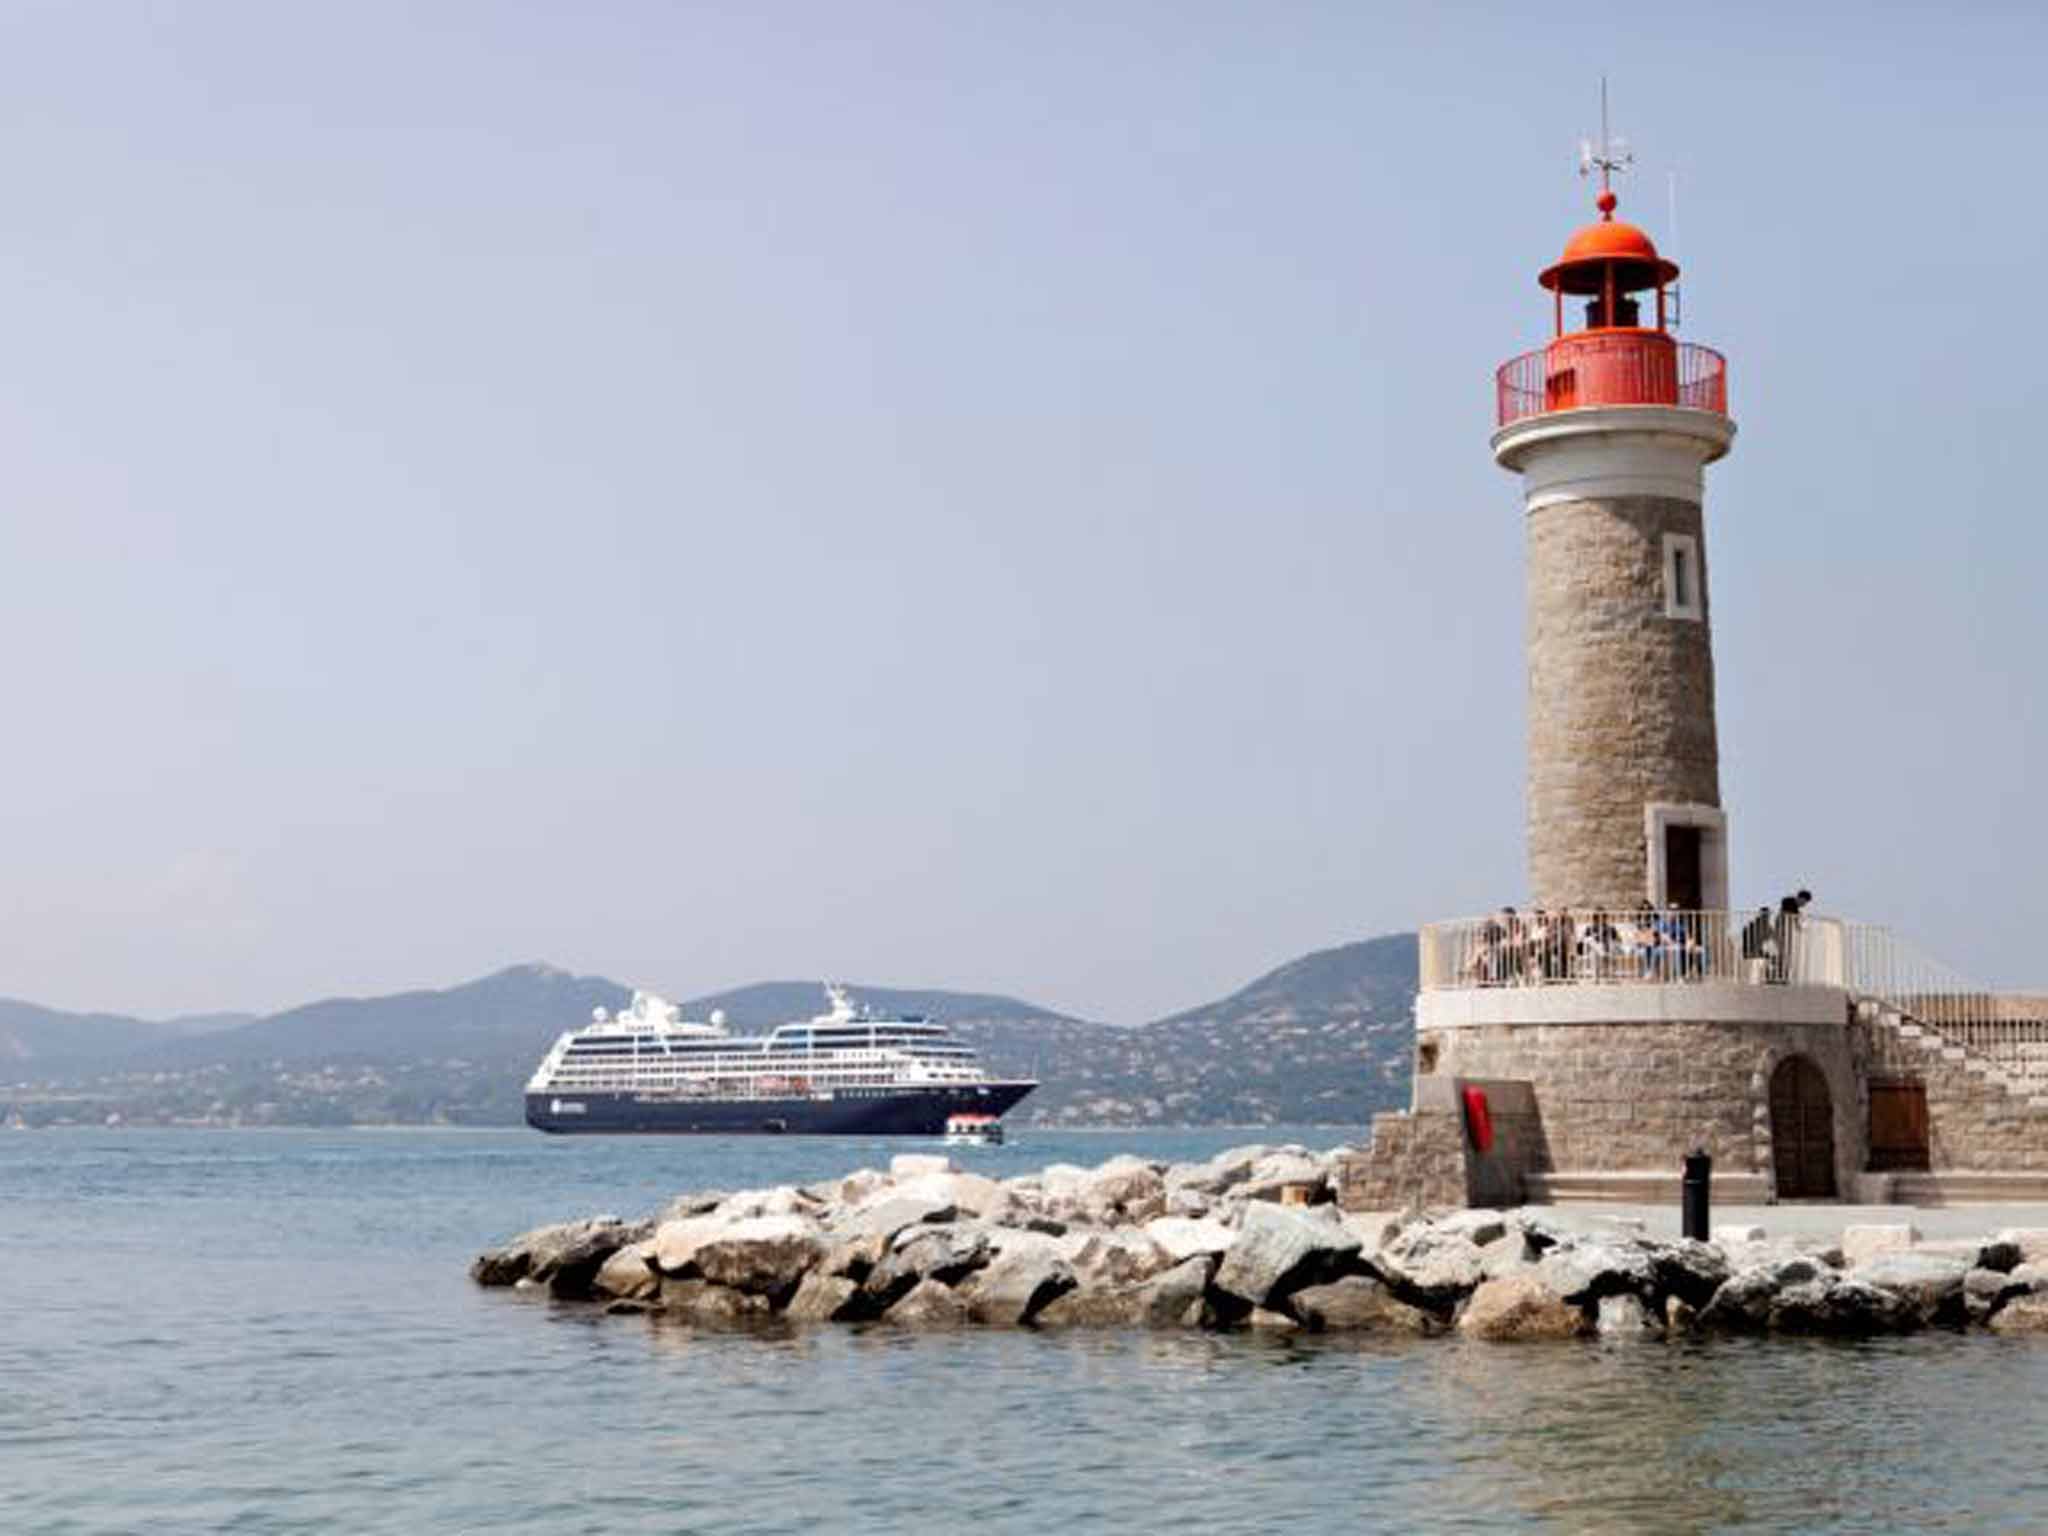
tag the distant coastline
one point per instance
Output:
(1322, 1040)
(500, 1128)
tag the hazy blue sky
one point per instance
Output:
(978, 495)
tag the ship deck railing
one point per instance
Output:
(789, 1088)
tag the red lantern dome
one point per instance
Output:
(1609, 243)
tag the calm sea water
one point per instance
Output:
(273, 1332)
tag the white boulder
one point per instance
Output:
(763, 1255)
(909, 1165)
(1277, 1246)
(676, 1242)
(1869, 1240)
(1182, 1237)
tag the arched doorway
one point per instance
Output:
(1802, 1130)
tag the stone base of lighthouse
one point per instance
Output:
(1599, 1093)
(1628, 1080)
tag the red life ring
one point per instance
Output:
(1478, 1120)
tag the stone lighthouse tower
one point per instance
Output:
(1610, 426)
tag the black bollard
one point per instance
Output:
(1692, 1194)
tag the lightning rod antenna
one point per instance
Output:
(1604, 140)
(1612, 155)
(1677, 304)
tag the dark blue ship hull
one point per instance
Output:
(852, 1112)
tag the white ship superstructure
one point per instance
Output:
(648, 1068)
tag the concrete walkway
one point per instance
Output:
(1802, 1219)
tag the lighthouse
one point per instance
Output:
(1592, 1049)
(1611, 425)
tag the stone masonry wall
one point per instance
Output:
(1416, 1158)
(1621, 698)
(1974, 1125)
(1425, 1156)
(1638, 1097)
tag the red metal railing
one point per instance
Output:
(1611, 368)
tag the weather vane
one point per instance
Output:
(1612, 155)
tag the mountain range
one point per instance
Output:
(1323, 1039)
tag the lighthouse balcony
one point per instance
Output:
(1589, 966)
(1611, 367)
(1646, 965)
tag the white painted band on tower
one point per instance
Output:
(1597, 452)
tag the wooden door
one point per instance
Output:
(1898, 1127)
(1802, 1130)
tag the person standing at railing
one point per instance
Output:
(1535, 942)
(1788, 920)
(1649, 943)
(1550, 950)
(1491, 962)
(1758, 944)
(1555, 946)
(1599, 946)
(1680, 931)
(1789, 911)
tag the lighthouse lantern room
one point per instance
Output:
(1609, 273)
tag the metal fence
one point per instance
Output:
(1522, 949)
(1902, 989)
(2006, 1031)
(1588, 368)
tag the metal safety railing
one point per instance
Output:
(1596, 368)
(1895, 984)
(2006, 1031)
(1589, 946)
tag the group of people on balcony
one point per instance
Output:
(1648, 944)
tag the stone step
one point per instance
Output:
(2018, 1068)
(1931, 1037)
(1967, 1187)
(1637, 1187)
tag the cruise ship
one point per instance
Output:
(847, 1072)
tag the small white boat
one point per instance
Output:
(974, 1131)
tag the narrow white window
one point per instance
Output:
(1682, 577)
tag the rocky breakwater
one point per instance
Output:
(1250, 1239)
